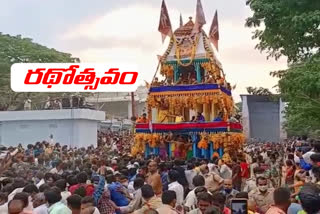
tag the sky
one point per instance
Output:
(127, 30)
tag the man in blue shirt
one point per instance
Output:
(218, 118)
(200, 117)
(116, 192)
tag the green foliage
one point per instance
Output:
(286, 27)
(258, 91)
(291, 28)
(239, 107)
(15, 49)
(300, 87)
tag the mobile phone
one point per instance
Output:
(239, 206)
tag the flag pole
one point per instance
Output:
(156, 71)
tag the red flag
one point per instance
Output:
(200, 19)
(214, 31)
(164, 25)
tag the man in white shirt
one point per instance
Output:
(12, 194)
(27, 105)
(316, 149)
(39, 204)
(190, 174)
(4, 208)
(39, 179)
(175, 186)
(58, 169)
(62, 185)
(264, 154)
(225, 171)
(191, 199)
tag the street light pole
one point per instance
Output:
(133, 109)
(133, 117)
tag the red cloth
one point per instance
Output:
(244, 170)
(264, 166)
(226, 210)
(289, 175)
(89, 188)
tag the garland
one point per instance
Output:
(210, 53)
(193, 52)
(165, 55)
(167, 70)
(203, 143)
(228, 141)
(190, 100)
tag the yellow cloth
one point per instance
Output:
(162, 116)
(173, 147)
(179, 119)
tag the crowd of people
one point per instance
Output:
(189, 78)
(271, 178)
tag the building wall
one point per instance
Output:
(122, 109)
(76, 128)
(75, 133)
(85, 133)
(262, 118)
(118, 104)
(282, 107)
(245, 117)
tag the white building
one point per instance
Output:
(72, 127)
(118, 104)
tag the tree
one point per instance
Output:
(291, 28)
(15, 49)
(300, 87)
(238, 107)
(258, 91)
(286, 28)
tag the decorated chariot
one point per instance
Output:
(191, 110)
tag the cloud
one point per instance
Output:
(80, 43)
(130, 34)
(243, 64)
(127, 34)
(128, 22)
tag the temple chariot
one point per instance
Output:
(190, 107)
